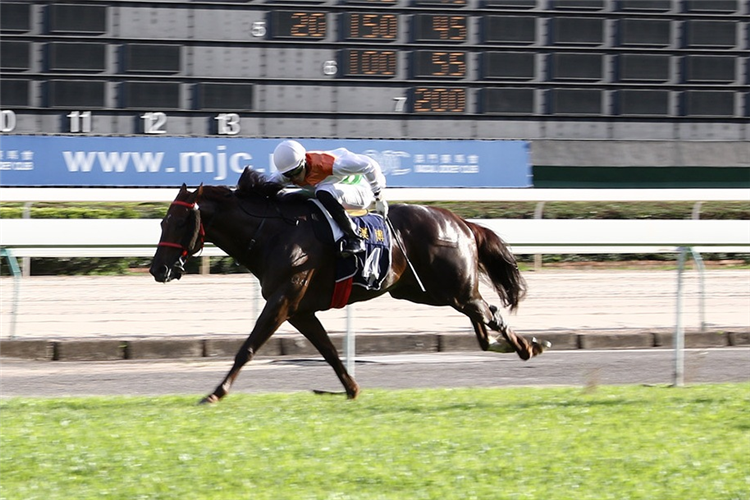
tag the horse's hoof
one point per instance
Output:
(539, 346)
(209, 400)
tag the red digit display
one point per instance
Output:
(298, 25)
(440, 28)
(370, 26)
(439, 100)
(374, 63)
(439, 64)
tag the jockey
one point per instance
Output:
(340, 180)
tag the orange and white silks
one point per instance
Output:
(319, 167)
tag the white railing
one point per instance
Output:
(64, 238)
(137, 237)
(146, 195)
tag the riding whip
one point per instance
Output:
(400, 244)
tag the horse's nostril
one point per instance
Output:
(159, 273)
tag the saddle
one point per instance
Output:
(368, 269)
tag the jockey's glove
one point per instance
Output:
(381, 207)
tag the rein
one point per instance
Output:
(292, 221)
(197, 240)
(264, 218)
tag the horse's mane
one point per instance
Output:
(215, 192)
(254, 183)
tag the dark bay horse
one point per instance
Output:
(274, 239)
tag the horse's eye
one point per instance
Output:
(180, 223)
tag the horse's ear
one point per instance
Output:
(199, 192)
(244, 182)
(183, 188)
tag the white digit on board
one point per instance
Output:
(80, 121)
(7, 120)
(330, 68)
(400, 103)
(258, 29)
(154, 122)
(228, 123)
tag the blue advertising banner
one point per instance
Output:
(32, 161)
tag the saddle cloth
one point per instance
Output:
(367, 269)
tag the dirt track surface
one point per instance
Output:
(582, 301)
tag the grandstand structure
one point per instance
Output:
(608, 93)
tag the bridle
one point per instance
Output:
(197, 239)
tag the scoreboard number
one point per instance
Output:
(439, 100)
(440, 28)
(370, 26)
(7, 120)
(287, 24)
(372, 63)
(439, 64)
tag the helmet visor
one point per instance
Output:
(295, 171)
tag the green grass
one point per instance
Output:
(650, 443)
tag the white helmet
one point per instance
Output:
(288, 155)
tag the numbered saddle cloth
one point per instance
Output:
(370, 268)
(367, 269)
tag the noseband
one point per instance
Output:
(196, 240)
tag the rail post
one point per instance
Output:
(26, 261)
(538, 214)
(349, 340)
(701, 287)
(679, 332)
(16, 272)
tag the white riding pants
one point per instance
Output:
(351, 196)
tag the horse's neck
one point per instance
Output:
(238, 230)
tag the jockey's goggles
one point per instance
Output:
(295, 171)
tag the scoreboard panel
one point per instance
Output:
(462, 63)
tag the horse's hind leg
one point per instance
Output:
(482, 314)
(525, 348)
(490, 344)
(309, 326)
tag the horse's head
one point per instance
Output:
(181, 236)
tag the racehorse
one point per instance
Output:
(439, 261)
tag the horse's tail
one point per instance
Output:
(498, 263)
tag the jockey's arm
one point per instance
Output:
(350, 163)
(278, 178)
(290, 190)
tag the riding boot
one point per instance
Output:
(354, 243)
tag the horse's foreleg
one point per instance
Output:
(243, 356)
(310, 326)
(268, 322)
